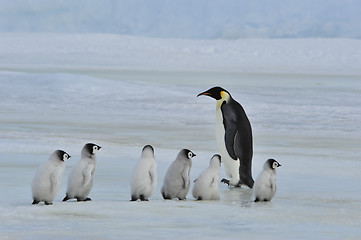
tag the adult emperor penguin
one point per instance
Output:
(265, 185)
(206, 185)
(80, 181)
(234, 136)
(176, 181)
(47, 180)
(144, 179)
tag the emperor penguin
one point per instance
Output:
(177, 181)
(206, 185)
(80, 181)
(265, 185)
(47, 180)
(144, 179)
(234, 137)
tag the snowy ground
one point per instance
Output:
(61, 91)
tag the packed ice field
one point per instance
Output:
(61, 91)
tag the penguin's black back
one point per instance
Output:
(239, 143)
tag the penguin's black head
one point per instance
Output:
(273, 164)
(215, 92)
(220, 158)
(91, 148)
(148, 151)
(148, 147)
(63, 156)
(216, 160)
(188, 153)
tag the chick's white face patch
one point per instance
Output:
(275, 165)
(95, 149)
(65, 157)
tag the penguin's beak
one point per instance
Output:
(204, 93)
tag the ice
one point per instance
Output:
(61, 91)
(106, 54)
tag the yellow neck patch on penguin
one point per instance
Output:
(224, 97)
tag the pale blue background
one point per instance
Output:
(201, 19)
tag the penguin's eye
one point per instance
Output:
(65, 157)
(275, 165)
(190, 155)
(95, 148)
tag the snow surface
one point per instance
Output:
(61, 91)
(113, 52)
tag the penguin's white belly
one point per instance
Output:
(76, 181)
(231, 166)
(265, 186)
(176, 182)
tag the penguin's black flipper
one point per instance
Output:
(230, 129)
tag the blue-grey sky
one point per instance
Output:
(205, 19)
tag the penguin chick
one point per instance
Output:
(234, 137)
(206, 185)
(265, 185)
(144, 179)
(80, 181)
(176, 181)
(47, 180)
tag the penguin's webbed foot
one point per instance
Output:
(83, 200)
(238, 185)
(228, 182)
(35, 202)
(66, 198)
(262, 200)
(225, 181)
(165, 196)
(142, 198)
(48, 203)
